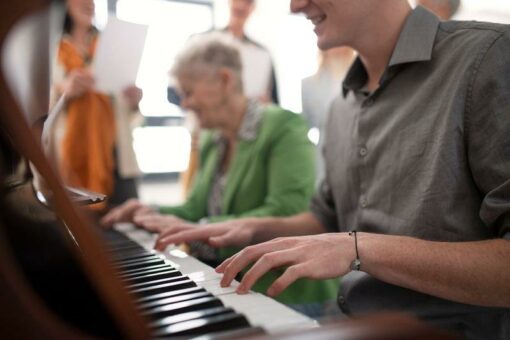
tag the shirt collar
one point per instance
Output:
(415, 44)
(416, 41)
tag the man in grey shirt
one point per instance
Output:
(417, 157)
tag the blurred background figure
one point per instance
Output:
(444, 9)
(94, 131)
(319, 90)
(255, 160)
(258, 72)
(258, 75)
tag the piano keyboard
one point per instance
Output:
(181, 296)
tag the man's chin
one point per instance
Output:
(327, 44)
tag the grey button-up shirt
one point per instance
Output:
(426, 155)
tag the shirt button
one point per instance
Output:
(363, 201)
(363, 151)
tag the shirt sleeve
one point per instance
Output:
(487, 123)
(322, 207)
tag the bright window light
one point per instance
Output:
(170, 25)
(162, 149)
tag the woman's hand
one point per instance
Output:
(126, 213)
(237, 233)
(317, 257)
(132, 95)
(159, 223)
(77, 83)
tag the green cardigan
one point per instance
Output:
(272, 175)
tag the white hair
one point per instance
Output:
(208, 52)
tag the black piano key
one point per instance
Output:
(125, 248)
(119, 240)
(250, 332)
(211, 324)
(132, 257)
(154, 276)
(164, 288)
(140, 264)
(157, 282)
(174, 299)
(112, 235)
(143, 271)
(183, 307)
(132, 254)
(118, 243)
(171, 293)
(177, 306)
(204, 313)
(137, 259)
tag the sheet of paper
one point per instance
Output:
(118, 54)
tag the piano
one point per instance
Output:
(59, 280)
(181, 296)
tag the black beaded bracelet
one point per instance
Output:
(356, 264)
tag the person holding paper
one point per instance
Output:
(94, 132)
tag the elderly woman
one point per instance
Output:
(255, 160)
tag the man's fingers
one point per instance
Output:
(290, 275)
(243, 259)
(221, 268)
(264, 264)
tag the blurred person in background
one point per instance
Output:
(258, 75)
(255, 160)
(444, 9)
(319, 90)
(94, 131)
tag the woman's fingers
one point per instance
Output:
(188, 234)
(122, 213)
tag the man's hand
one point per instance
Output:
(237, 233)
(317, 257)
(126, 213)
